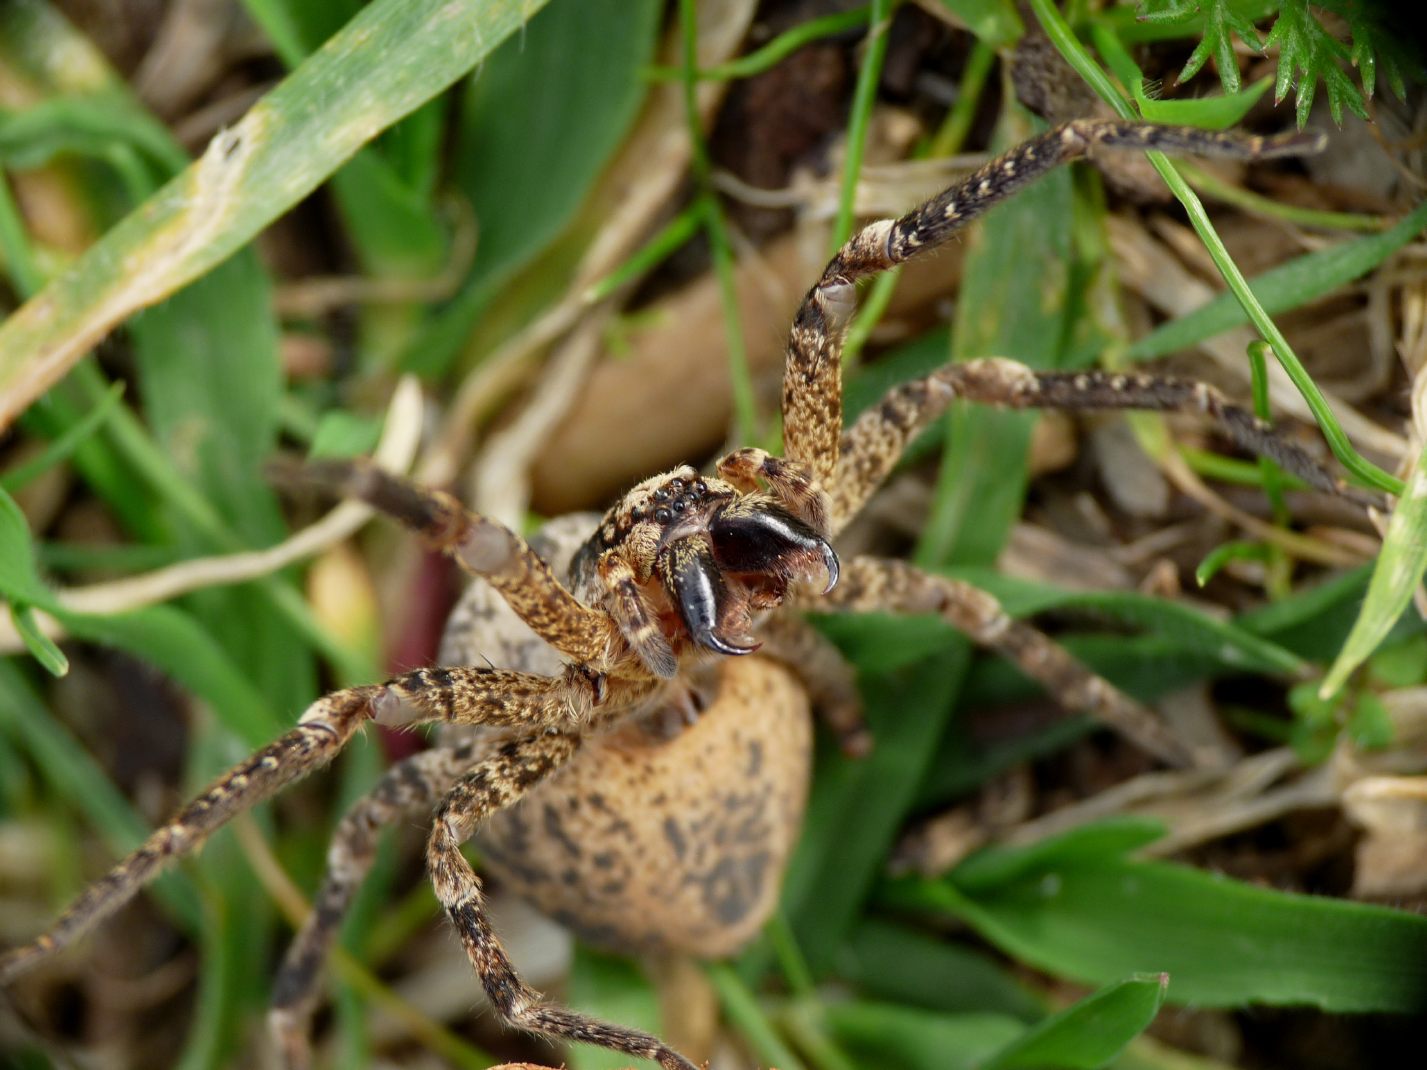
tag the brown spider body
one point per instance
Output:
(653, 832)
(670, 831)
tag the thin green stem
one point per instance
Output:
(790, 958)
(742, 1010)
(1075, 54)
(658, 248)
(863, 97)
(745, 409)
(24, 272)
(1211, 185)
(947, 141)
(776, 50)
(956, 127)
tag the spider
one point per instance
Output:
(624, 643)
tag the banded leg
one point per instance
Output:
(871, 447)
(460, 696)
(407, 791)
(492, 785)
(812, 376)
(824, 672)
(872, 584)
(481, 546)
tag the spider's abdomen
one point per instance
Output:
(670, 844)
(650, 839)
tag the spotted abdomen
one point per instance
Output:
(652, 838)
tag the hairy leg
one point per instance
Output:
(812, 377)
(871, 584)
(481, 546)
(458, 695)
(871, 447)
(495, 783)
(407, 791)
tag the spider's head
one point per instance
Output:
(706, 556)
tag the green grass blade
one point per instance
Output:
(1395, 575)
(393, 57)
(1285, 287)
(1078, 907)
(1089, 1034)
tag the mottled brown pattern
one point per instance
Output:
(684, 770)
(643, 842)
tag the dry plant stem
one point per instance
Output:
(1303, 547)
(638, 185)
(400, 438)
(500, 478)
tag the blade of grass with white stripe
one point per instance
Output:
(391, 58)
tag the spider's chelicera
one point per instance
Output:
(640, 623)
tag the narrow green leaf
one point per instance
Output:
(884, 1035)
(391, 58)
(82, 784)
(995, 22)
(1014, 299)
(538, 122)
(67, 442)
(37, 642)
(1285, 287)
(857, 805)
(1089, 1034)
(19, 579)
(1085, 911)
(1395, 575)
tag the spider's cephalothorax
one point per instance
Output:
(685, 569)
(685, 559)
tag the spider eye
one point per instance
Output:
(662, 515)
(676, 485)
(636, 514)
(680, 505)
(660, 495)
(700, 489)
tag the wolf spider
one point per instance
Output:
(639, 636)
